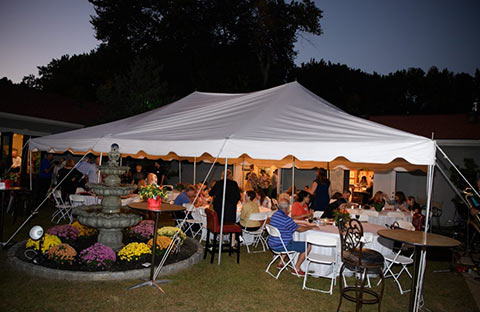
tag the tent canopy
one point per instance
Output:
(271, 124)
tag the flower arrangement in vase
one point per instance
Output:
(341, 214)
(153, 194)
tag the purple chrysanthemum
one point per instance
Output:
(64, 231)
(98, 255)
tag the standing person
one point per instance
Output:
(159, 172)
(321, 190)
(89, 168)
(138, 174)
(232, 196)
(275, 184)
(69, 185)
(46, 170)
(265, 182)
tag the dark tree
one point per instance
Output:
(215, 45)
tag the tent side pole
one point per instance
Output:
(223, 210)
(31, 168)
(194, 170)
(243, 174)
(179, 171)
(293, 182)
(99, 174)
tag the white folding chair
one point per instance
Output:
(63, 211)
(274, 232)
(324, 242)
(318, 214)
(200, 219)
(252, 238)
(392, 258)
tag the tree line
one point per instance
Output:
(154, 52)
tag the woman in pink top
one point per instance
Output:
(300, 206)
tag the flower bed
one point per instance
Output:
(75, 248)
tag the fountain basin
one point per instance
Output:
(109, 225)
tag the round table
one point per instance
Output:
(420, 240)
(163, 208)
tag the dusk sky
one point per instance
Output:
(372, 35)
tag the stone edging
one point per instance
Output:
(43, 272)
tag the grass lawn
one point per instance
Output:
(209, 287)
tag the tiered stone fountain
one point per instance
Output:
(109, 217)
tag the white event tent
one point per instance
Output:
(284, 123)
(269, 124)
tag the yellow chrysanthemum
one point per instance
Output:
(47, 242)
(133, 251)
(170, 232)
(84, 230)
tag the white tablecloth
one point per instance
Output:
(378, 243)
(383, 218)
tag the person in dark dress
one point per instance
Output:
(321, 191)
(69, 185)
(232, 196)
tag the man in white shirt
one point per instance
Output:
(89, 168)
(16, 161)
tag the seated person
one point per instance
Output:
(141, 183)
(184, 197)
(300, 206)
(399, 201)
(335, 202)
(413, 205)
(287, 227)
(284, 196)
(152, 179)
(250, 206)
(263, 200)
(377, 202)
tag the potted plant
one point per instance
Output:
(153, 194)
